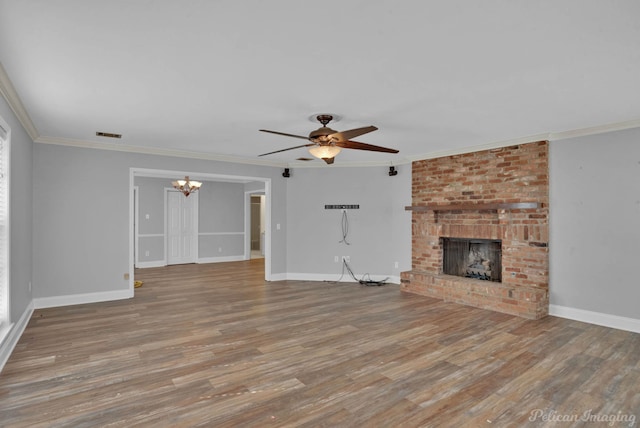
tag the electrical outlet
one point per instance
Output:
(219, 249)
(346, 259)
(336, 259)
(395, 265)
(146, 253)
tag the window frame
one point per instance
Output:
(5, 229)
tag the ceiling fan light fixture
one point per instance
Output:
(324, 152)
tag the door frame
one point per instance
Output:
(204, 176)
(136, 233)
(247, 221)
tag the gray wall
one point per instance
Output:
(379, 231)
(20, 215)
(151, 204)
(221, 220)
(81, 215)
(595, 223)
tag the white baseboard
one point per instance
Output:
(221, 259)
(598, 318)
(278, 277)
(156, 263)
(162, 263)
(15, 331)
(79, 299)
(331, 277)
(394, 280)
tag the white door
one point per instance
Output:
(182, 228)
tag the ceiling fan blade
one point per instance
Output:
(290, 148)
(329, 161)
(351, 133)
(363, 146)
(285, 134)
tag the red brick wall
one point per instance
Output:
(506, 175)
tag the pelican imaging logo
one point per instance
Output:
(611, 419)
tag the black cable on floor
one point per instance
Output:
(363, 281)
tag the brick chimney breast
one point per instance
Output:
(478, 196)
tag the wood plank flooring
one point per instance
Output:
(214, 345)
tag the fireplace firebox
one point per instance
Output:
(472, 258)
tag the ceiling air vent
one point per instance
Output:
(108, 135)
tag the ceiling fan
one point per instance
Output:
(326, 143)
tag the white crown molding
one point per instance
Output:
(481, 147)
(338, 164)
(15, 103)
(594, 130)
(550, 136)
(156, 151)
(206, 156)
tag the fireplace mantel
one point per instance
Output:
(469, 207)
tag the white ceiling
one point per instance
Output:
(435, 77)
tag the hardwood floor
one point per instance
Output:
(214, 345)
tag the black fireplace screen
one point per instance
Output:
(473, 258)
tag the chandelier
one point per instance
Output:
(187, 186)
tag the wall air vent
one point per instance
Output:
(108, 135)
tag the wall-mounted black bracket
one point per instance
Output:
(342, 207)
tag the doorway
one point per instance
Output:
(257, 226)
(261, 183)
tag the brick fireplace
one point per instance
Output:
(498, 195)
